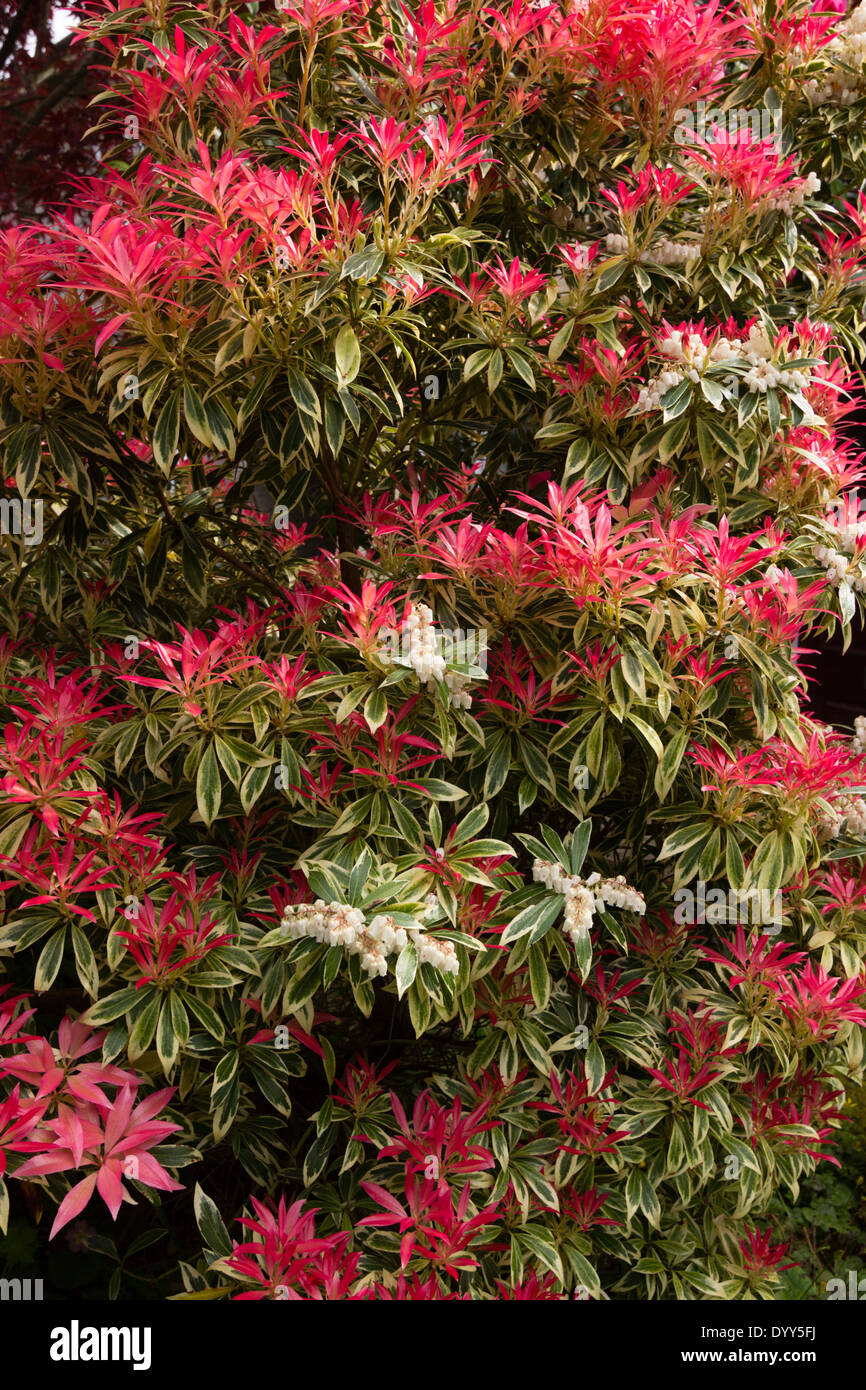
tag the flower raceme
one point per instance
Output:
(372, 940)
(583, 897)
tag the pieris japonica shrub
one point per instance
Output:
(426, 468)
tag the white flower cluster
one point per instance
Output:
(440, 954)
(424, 655)
(334, 924)
(649, 397)
(837, 559)
(792, 198)
(583, 897)
(848, 48)
(850, 532)
(458, 688)
(848, 811)
(693, 357)
(664, 252)
(426, 659)
(837, 566)
(858, 743)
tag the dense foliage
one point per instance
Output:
(426, 469)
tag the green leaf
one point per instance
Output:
(538, 1242)
(167, 1045)
(49, 960)
(647, 733)
(476, 362)
(523, 368)
(536, 765)
(335, 427)
(633, 672)
(538, 915)
(12, 834)
(560, 339)
(253, 785)
(670, 763)
(167, 432)
(579, 845)
(68, 463)
(304, 396)
(206, 1016)
(375, 710)
(85, 961)
(359, 875)
(468, 828)
(406, 968)
(684, 838)
(347, 351)
(145, 1023)
(316, 1158)
(111, 1007)
(498, 765)
(210, 1223)
(526, 794)
(539, 977)
(179, 1019)
(734, 865)
(208, 786)
(595, 1067)
(439, 790)
(586, 1274)
(362, 265)
(649, 1202)
(495, 368)
(195, 416)
(230, 764)
(24, 454)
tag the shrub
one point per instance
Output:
(429, 464)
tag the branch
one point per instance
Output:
(57, 93)
(244, 568)
(20, 24)
(241, 565)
